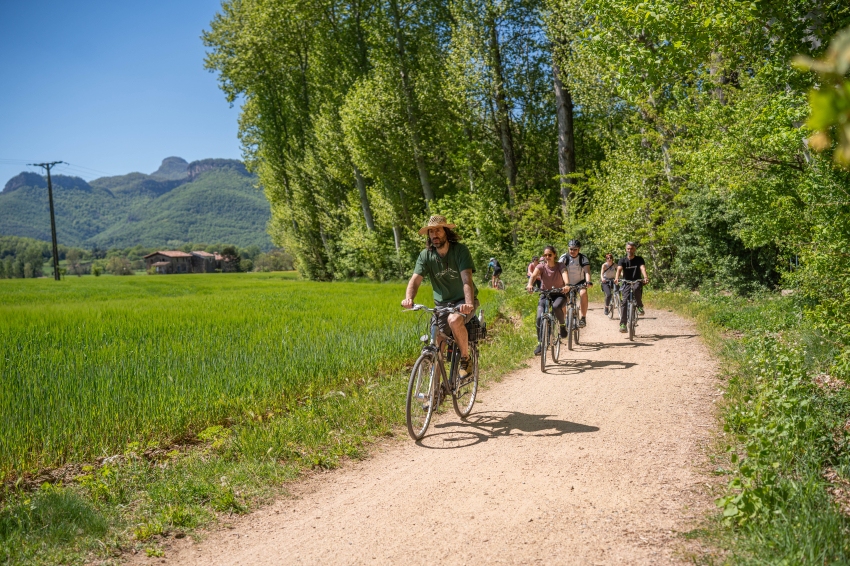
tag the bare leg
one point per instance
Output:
(459, 332)
(583, 295)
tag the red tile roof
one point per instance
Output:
(203, 254)
(169, 254)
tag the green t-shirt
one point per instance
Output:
(444, 272)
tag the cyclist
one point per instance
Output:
(449, 266)
(552, 274)
(497, 272)
(530, 271)
(609, 273)
(578, 270)
(628, 268)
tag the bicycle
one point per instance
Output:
(429, 384)
(549, 331)
(616, 300)
(630, 305)
(488, 280)
(573, 330)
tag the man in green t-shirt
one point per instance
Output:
(448, 264)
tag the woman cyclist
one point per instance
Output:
(552, 275)
(609, 273)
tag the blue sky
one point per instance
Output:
(108, 86)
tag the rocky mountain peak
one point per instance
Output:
(172, 168)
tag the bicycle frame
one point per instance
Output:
(572, 295)
(434, 346)
(548, 311)
(627, 288)
(436, 340)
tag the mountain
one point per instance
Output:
(209, 201)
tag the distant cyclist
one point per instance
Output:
(578, 270)
(497, 272)
(629, 268)
(609, 273)
(530, 271)
(551, 274)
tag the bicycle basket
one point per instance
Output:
(475, 331)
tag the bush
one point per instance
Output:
(119, 266)
(275, 260)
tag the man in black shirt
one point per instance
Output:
(628, 269)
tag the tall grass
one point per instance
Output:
(783, 431)
(92, 364)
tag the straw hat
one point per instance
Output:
(435, 222)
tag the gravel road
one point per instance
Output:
(600, 460)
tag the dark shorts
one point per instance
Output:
(497, 273)
(443, 318)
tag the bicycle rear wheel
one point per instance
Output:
(501, 285)
(420, 395)
(463, 395)
(632, 321)
(555, 340)
(544, 342)
(614, 306)
(571, 323)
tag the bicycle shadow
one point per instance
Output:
(578, 366)
(596, 346)
(481, 427)
(657, 337)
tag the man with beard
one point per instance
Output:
(449, 266)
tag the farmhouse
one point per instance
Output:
(166, 262)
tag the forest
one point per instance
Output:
(680, 125)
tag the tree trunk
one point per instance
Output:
(566, 139)
(364, 199)
(410, 107)
(715, 71)
(470, 170)
(503, 121)
(397, 240)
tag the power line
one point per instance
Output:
(48, 167)
(84, 168)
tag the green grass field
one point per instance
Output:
(92, 364)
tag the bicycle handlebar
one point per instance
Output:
(417, 307)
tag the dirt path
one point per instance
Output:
(596, 461)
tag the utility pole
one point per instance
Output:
(47, 167)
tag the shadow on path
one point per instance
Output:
(481, 427)
(596, 346)
(656, 337)
(575, 366)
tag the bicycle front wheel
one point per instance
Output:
(463, 395)
(420, 395)
(571, 324)
(632, 321)
(555, 339)
(544, 342)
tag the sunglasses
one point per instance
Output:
(573, 249)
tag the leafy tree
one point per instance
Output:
(117, 265)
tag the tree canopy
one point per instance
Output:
(680, 125)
